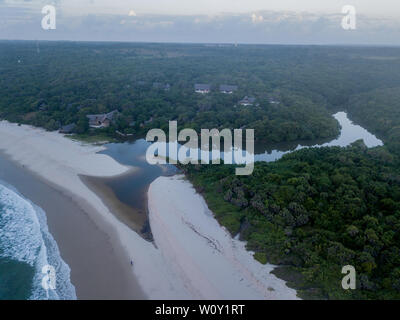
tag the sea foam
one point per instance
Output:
(24, 236)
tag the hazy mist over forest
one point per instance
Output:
(255, 21)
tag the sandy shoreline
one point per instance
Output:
(57, 162)
(44, 167)
(97, 268)
(131, 217)
(208, 262)
(192, 257)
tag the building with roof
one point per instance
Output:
(101, 120)
(247, 101)
(273, 101)
(226, 88)
(202, 88)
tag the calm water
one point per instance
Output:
(131, 189)
(128, 188)
(349, 133)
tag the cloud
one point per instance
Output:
(276, 27)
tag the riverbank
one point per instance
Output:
(136, 219)
(44, 167)
(209, 263)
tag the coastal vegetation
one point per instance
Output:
(64, 82)
(378, 110)
(313, 212)
(316, 210)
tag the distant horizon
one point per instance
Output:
(356, 45)
(282, 22)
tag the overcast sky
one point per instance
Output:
(241, 21)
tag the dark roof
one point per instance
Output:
(202, 86)
(247, 100)
(101, 117)
(273, 100)
(69, 128)
(111, 114)
(227, 88)
(95, 117)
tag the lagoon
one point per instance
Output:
(127, 193)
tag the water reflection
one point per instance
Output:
(130, 190)
(349, 133)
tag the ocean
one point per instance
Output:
(29, 255)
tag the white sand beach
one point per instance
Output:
(53, 155)
(59, 161)
(192, 257)
(208, 261)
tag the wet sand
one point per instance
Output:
(97, 246)
(133, 217)
(100, 268)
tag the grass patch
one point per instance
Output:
(92, 138)
(261, 257)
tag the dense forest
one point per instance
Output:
(315, 211)
(51, 84)
(379, 111)
(311, 212)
